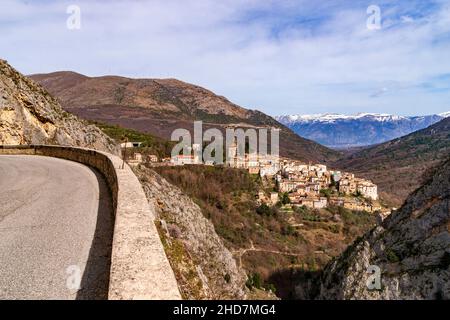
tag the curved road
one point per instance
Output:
(56, 228)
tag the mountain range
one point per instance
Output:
(411, 246)
(159, 106)
(346, 131)
(400, 166)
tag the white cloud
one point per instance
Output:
(281, 57)
(407, 19)
(379, 92)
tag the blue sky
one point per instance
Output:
(281, 57)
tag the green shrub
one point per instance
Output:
(392, 256)
(325, 193)
(285, 198)
(288, 230)
(270, 287)
(254, 281)
(263, 210)
(150, 143)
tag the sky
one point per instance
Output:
(280, 57)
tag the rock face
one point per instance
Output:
(203, 266)
(411, 247)
(29, 115)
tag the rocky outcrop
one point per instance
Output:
(29, 115)
(411, 248)
(203, 266)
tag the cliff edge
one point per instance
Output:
(30, 115)
(411, 248)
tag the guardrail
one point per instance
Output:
(139, 266)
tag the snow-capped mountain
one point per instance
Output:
(333, 117)
(344, 131)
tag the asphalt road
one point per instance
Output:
(56, 228)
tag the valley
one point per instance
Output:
(218, 158)
(271, 243)
(400, 166)
(284, 242)
(271, 232)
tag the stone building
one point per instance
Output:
(368, 189)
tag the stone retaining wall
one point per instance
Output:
(139, 266)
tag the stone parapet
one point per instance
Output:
(139, 266)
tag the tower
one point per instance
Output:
(197, 150)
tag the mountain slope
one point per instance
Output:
(29, 115)
(411, 248)
(342, 131)
(159, 106)
(398, 165)
(198, 256)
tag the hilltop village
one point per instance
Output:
(314, 186)
(311, 185)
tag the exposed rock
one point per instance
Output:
(204, 267)
(411, 248)
(29, 115)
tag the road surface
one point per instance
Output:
(56, 227)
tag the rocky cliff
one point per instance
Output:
(29, 115)
(203, 266)
(411, 247)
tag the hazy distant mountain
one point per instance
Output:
(363, 129)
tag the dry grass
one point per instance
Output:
(267, 244)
